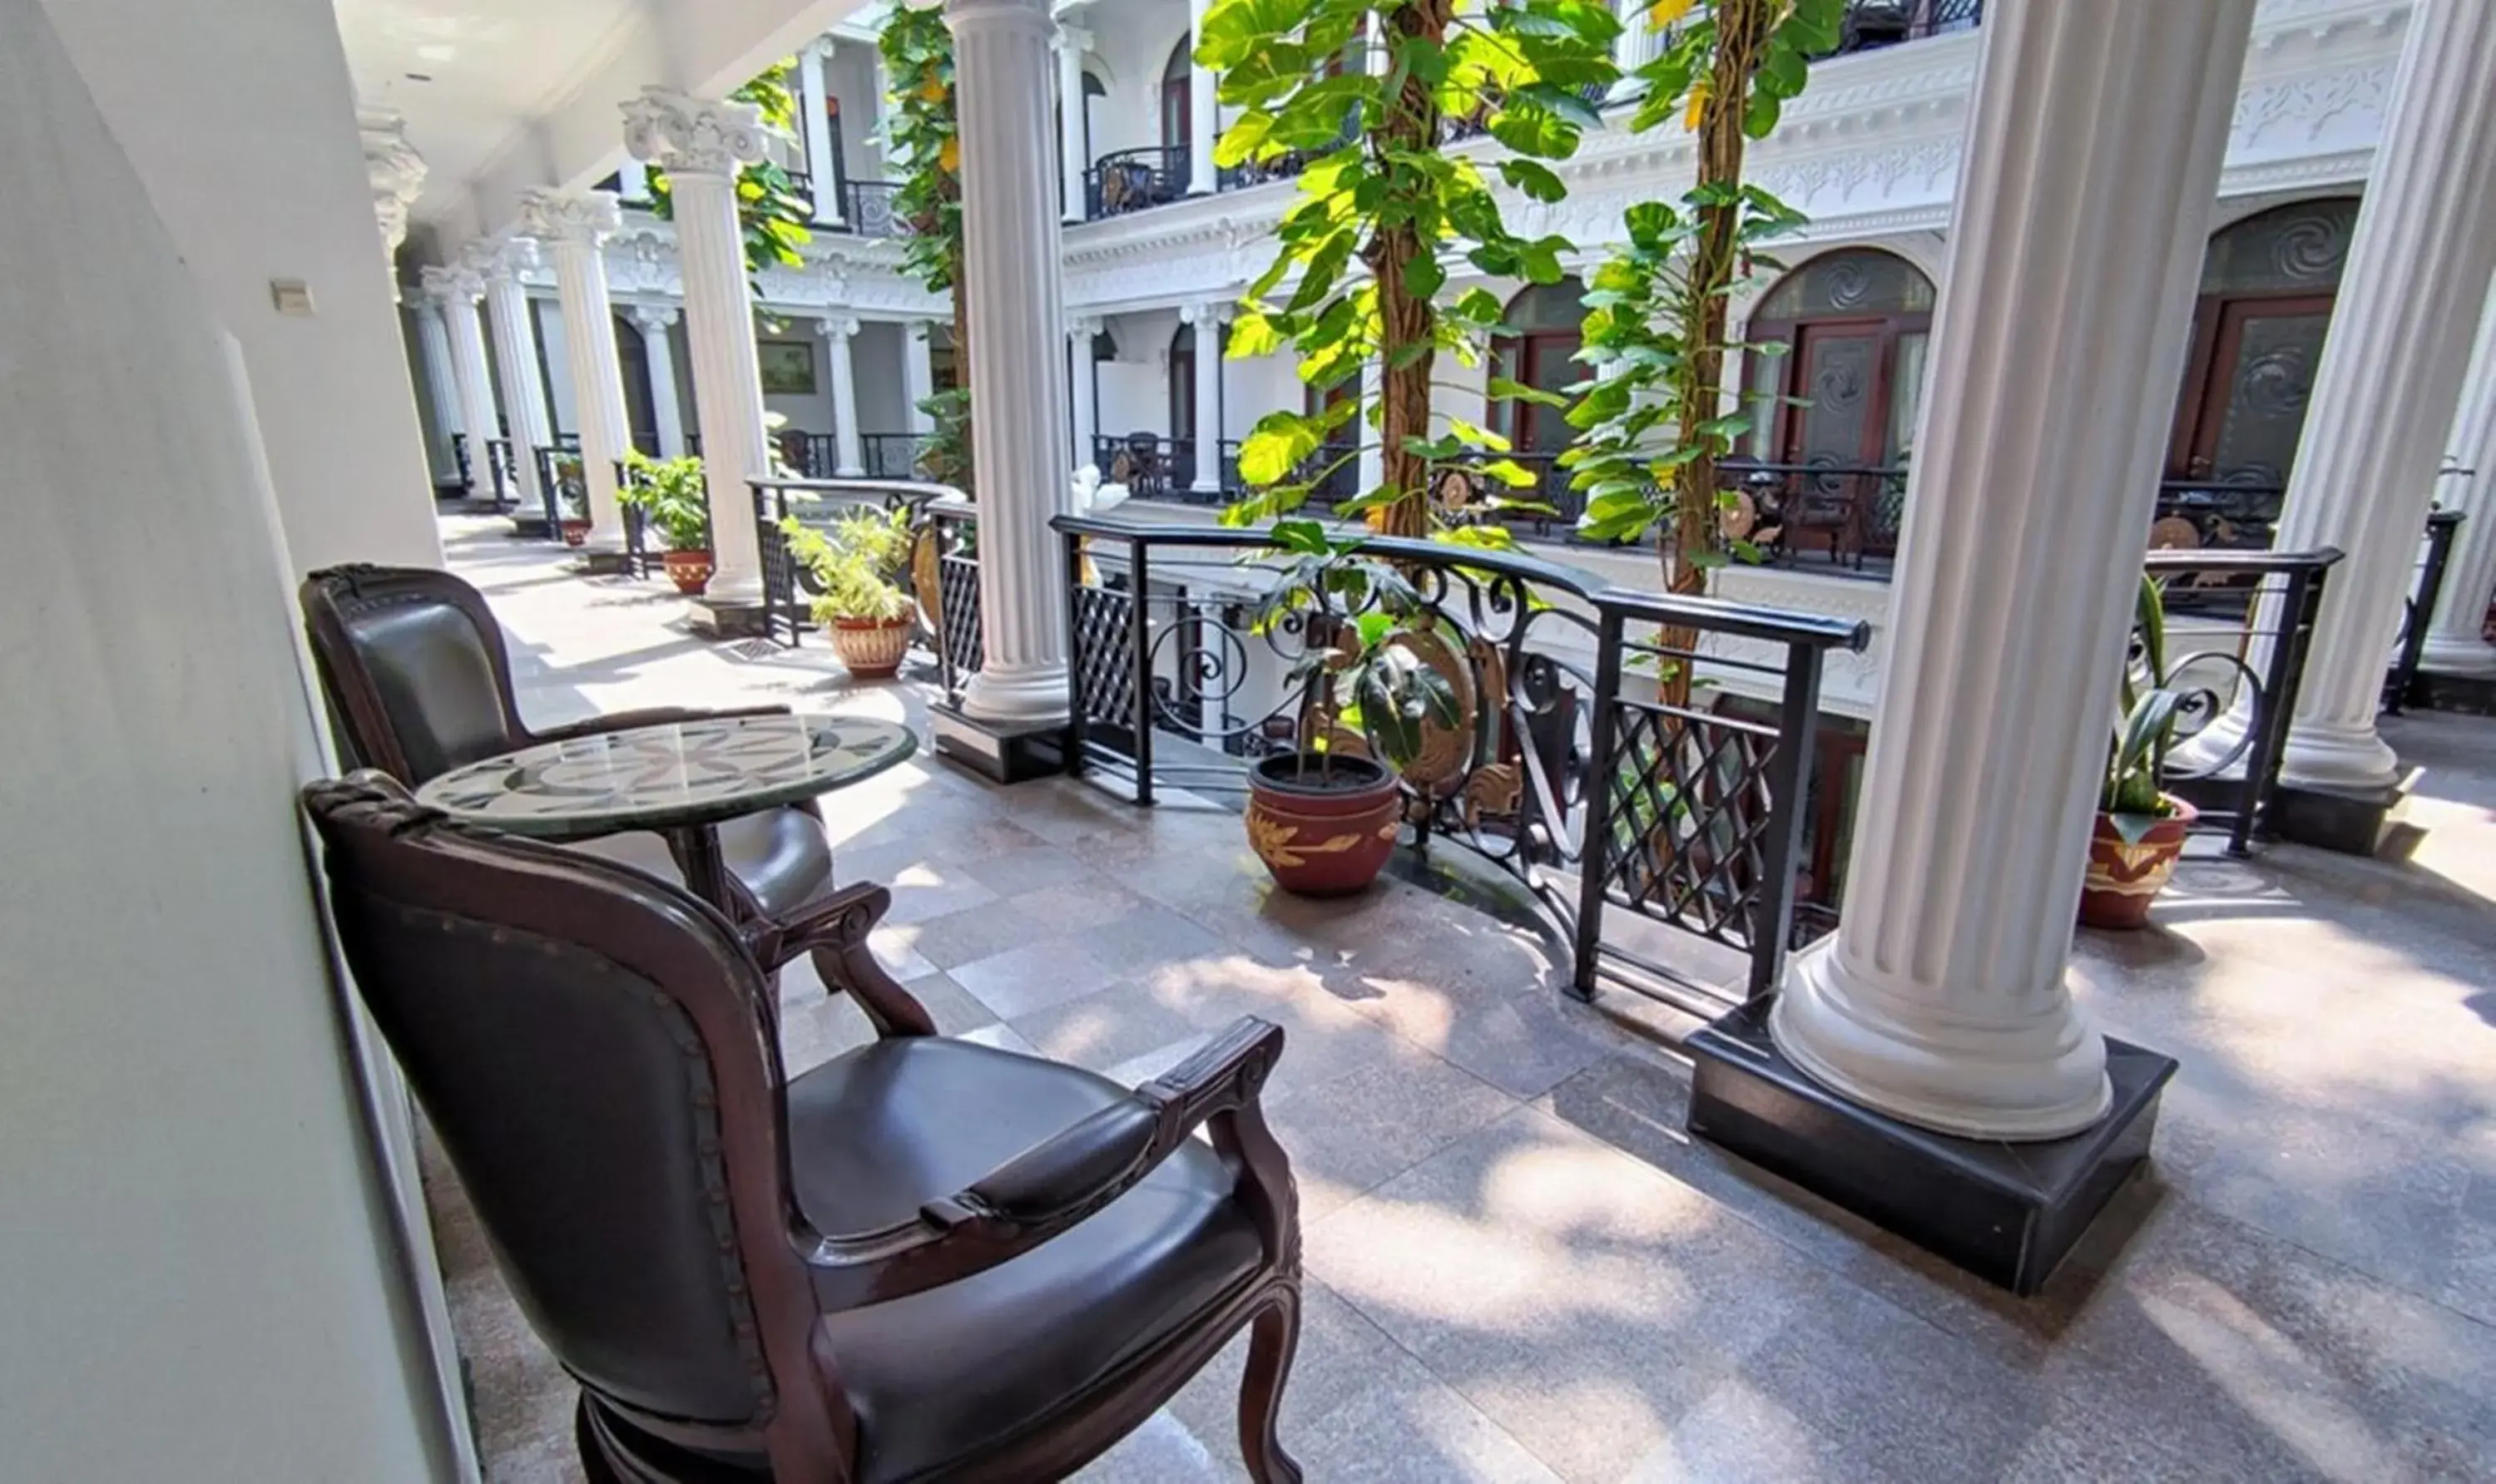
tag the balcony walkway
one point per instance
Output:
(1521, 1270)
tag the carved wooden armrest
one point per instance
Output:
(834, 929)
(1058, 1183)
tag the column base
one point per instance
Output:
(2353, 821)
(2471, 657)
(1000, 751)
(1014, 695)
(730, 618)
(604, 564)
(531, 526)
(2008, 1213)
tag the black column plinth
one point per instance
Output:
(999, 751)
(2008, 1213)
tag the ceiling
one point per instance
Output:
(503, 95)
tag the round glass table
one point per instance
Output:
(680, 779)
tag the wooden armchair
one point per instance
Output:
(418, 683)
(924, 1260)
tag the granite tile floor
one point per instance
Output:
(1521, 1269)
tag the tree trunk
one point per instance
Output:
(1405, 318)
(1742, 29)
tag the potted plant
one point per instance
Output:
(857, 566)
(1323, 816)
(2140, 827)
(671, 495)
(571, 495)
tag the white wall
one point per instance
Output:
(1132, 41)
(850, 75)
(1253, 388)
(200, 1282)
(1134, 389)
(240, 122)
(882, 393)
(811, 412)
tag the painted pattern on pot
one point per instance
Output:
(1323, 840)
(2125, 877)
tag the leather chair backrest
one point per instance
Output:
(589, 1048)
(414, 667)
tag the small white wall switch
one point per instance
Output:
(291, 295)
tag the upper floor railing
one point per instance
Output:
(1134, 180)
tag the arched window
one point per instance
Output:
(2267, 285)
(1542, 354)
(1854, 324)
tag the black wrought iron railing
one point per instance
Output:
(1152, 467)
(813, 456)
(1872, 25)
(558, 492)
(2217, 514)
(1618, 808)
(459, 455)
(2417, 610)
(893, 456)
(1837, 515)
(639, 558)
(2238, 627)
(1134, 180)
(866, 210)
(788, 586)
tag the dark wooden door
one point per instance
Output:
(1545, 362)
(634, 354)
(1838, 371)
(2243, 409)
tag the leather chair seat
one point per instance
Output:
(876, 1133)
(780, 856)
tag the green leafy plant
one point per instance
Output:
(1652, 415)
(2131, 797)
(769, 208)
(1354, 673)
(672, 496)
(924, 133)
(1363, 258)
(858, 564)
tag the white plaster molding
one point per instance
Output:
(395, 169)
(684, 134)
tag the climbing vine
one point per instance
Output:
(924, 138)
(1365, 92)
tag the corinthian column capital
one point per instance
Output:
(553, 216)
(684, 134)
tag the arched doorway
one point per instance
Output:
(2267, 285)
(1176, 119)
(1856, 324)
(632, 353)
(1542, 354)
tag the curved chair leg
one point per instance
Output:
(1271, 1343)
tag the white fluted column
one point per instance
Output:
(1201, 106)
(2455, 642)
(815, 120)
(2091, 161)
(1017, 379)
(1086, 416)
(441, 382)
(456, 291)
(917, 373)
(836, 330)
(574, 229)
(1372, 464)
(1072, 43)
(702, 144)
(1208, 318)
(667, 403)
(515, 359)
(1634, 47)
(2385, 389)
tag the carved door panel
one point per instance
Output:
(2251, 412)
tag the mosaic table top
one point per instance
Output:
(672, 775)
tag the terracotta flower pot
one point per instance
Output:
(872, 648)
(1322, 828)
(575, 533)
(2124, 879)
(689, 570)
